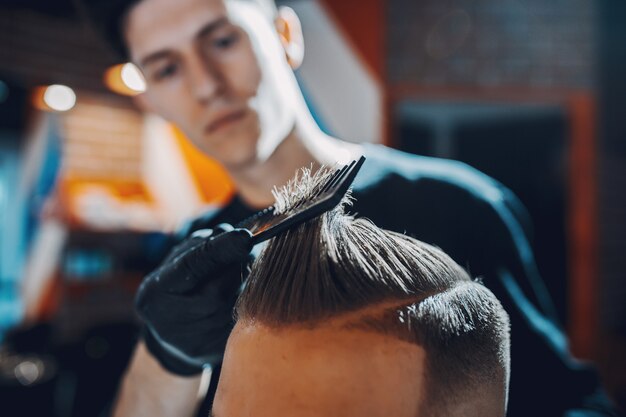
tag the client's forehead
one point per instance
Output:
(298, 371)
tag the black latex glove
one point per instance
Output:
(187, 303)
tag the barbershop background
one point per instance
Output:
(532, 92)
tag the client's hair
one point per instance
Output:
(335, 264)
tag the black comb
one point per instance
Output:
(266, 224)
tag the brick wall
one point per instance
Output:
(102, 140)
(39, 49)
(492, 43)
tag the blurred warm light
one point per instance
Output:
(59, 97)
(125, 79)
(133, 78)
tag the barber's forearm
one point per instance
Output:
(149, 390)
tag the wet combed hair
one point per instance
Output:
(337, 264)
(107, 18)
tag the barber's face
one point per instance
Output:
(318, 373)
(218, 71)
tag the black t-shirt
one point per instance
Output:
(485, 229)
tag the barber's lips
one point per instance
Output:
(226, 120)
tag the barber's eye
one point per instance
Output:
(225, 42)
(166, 71)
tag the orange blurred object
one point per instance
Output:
(114, 79)
(211, 180)
(72, 190)
(110, 203)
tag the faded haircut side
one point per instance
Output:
(337, 264)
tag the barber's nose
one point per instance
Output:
(205, 81)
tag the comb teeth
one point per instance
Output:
(249, 222)
(268, 223)
(333, 179)
(322, 188)
(344, 171)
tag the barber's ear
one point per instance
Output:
(290, 33)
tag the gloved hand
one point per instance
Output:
(187, 303)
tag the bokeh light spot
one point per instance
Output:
(133, 78)
(59, 97)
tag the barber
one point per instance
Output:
(222, 71)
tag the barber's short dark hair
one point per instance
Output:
(336, 264)
(107, 19)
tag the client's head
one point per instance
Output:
(342, 318)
